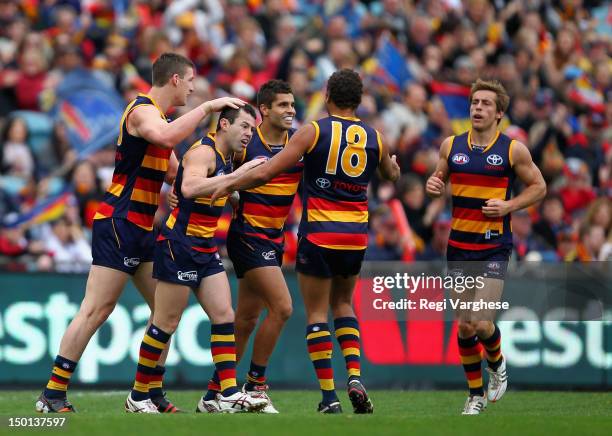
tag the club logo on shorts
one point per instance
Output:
(269, 255)
(495, 159)
(131, 262)
(187, 276)
(460, 158)
(323, 183)
(154, 331)
(66, 365)
(493, 266)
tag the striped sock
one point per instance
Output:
(155, 382)
(320, 348)
(347, 334)
(214, 387)
(256, 376)
(493, 346)
(60, 377)
(471, 358)
(151, 348)
(223, 348)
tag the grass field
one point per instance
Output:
(396, 412)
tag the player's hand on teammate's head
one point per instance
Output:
(219, 103)
(435, 184)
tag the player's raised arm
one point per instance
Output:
(389, 169)
(437, 181)
(528, 173)
(145, 122)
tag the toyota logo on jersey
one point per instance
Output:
(323, 183)
(495, 159)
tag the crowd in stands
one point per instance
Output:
(417, 59)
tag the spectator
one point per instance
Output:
(67, 246)
(591, 242)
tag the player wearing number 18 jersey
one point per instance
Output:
(341, 154)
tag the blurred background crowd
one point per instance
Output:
(63, 64)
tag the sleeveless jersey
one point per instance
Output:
(262, 211)
(477, 176)
(337, 169)
(193, 221)
(140, 169)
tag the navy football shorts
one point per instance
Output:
(181, 264)
(249, 252)
(121, 245)
(490, 263)
(325, 262)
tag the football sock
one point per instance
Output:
(214, 387)
(151, 348)
(256, 376)
(470, 352)
(223, 348)
(320, 348)
(155, 382)
(60, 377)
(493, 346)
(347, 334)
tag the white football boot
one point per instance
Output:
(261, 392)
(144, 406)
(474, 405)
(240, 402)
(498, 382)
(208, 406)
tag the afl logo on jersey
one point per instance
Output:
(323, 183)
(261, 157)
(460, 159)
(495, 159)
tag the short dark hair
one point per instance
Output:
(231, 114)
(167, 65)
(344, 89)
(268, 91)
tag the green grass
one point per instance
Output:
(396, 412)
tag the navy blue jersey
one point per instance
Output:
(477, 176)
(337, 169)
(263, 210)
(194, 220)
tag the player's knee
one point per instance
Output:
(282, 312)
(484, 329)
(98, 314)
(466, 328)
(168, 323)
(222, 315)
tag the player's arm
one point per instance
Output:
(172, 169)
(528, 173)
(144, 121)
(388, 167)
(198, 163)
(297, 146)
(437, 181)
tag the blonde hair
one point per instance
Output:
(503, 99)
